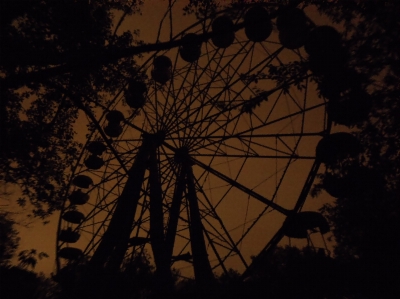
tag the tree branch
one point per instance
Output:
(110, 55)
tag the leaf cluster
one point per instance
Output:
(57, 57)
(9, 239)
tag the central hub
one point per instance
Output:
(181, 155)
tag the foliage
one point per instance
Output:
(290, 272)
(371, 39)
(17, 283)
(29, 258)
(51, 66)
(365, 218)
(201, 8)
(370, 28)
(9, 239)
(135, 279)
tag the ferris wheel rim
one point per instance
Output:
(129, 124)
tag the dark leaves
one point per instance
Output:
(9, 239)
(54, 51)
(292, 73)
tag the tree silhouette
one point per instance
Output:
(28, 258)
(372, 41)
(17, 282)
(135, 279)
(290, 272)
(365, 216)
(9, 239)
(37, 113)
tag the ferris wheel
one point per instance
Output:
(205, 155)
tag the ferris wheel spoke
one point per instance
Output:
(167, 182)
(257, 219)
(218, 127)
(231, 248)
(216, 148)
(138, 226)
(252, 142)
(220, 222)
(175, 94)
(242, 188)
(212, 119)
(297, 157)
(216, 253)
(240, 105)
(259, 127)
(227, 86)
(101, 228)
(192, 85)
